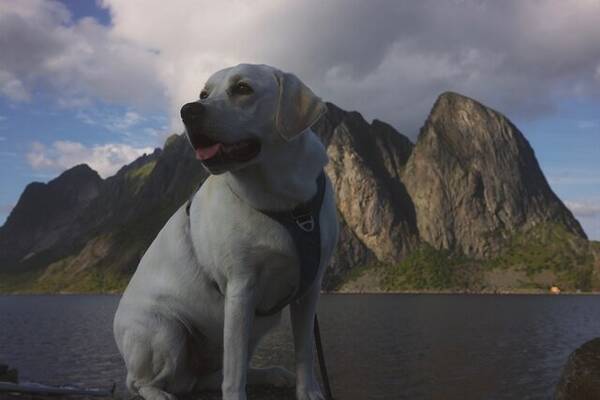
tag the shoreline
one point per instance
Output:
(525, 292)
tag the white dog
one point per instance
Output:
(216, 277)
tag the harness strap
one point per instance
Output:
(302, 223)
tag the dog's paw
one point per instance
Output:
(234, 395)
(152, 393)
(281, 377)
(275, 376)
(309, 393)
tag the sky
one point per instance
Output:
(101, 82)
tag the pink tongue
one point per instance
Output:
(204, 153)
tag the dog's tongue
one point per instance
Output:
(205, 153)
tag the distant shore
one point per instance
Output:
(365, 292)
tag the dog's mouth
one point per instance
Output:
(217, 155)
(207, 149)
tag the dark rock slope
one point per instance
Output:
(580, 379)
(474, 180)
(377, 215)
(469, 183)
(46, 217)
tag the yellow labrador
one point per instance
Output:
(216, 277)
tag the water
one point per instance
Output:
(377, 346)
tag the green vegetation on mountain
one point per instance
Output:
(466, 208)
(549, 247)
(545, 256)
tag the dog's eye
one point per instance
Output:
(203, 94)
(242, 88)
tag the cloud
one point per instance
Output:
(588, 124)
(2, 138)
(574, 177)
(125, 122)
(584, 208)
(119, 123)
(12, 87)
(61, 155)
(6, 208)
(78, 61)
(388, 60)
(588, 214)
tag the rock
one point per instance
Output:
(254, 393)
(469, 184)
(580, 379)
(365, 165)
(45, 217)
(8, 374)
(474, 180)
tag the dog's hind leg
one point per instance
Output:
(156, 361)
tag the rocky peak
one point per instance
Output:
(365, 164)
(475, 181)
(46, 212)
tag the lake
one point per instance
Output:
(376, 346)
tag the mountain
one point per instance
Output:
(475, 181)
(46, 217)
(466, 207)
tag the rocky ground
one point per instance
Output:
(580, 379)
(258, 393)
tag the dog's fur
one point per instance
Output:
(187, 321)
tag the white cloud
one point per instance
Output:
(61, 155)
(12, 87)
(6, 208)
(588, 124)
(575, 179)
(119, 123)
(80, 61)
(388, 59)
(584, 208)
(588, 214)
(125, 122)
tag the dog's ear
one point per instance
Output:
(298, 108)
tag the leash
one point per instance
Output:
(321, 357)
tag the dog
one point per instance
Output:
(216, 277)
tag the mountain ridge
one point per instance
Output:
(467, 186)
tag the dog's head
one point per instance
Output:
(244, 110)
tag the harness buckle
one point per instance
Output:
(305, 222)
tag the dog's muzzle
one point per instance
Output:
(215, 156)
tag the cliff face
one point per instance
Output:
(469, 184)
(365, 163)
(45, 220)
(475, 181)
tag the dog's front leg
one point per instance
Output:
(302, 315)
(239, 316)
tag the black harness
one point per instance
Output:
(302, 223)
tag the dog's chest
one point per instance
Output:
(234, 241)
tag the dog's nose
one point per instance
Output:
(191, 111)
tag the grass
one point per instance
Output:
(137, 177)
(547, 247)
(550, 247)
(427, 268)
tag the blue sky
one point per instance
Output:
(101, 82)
